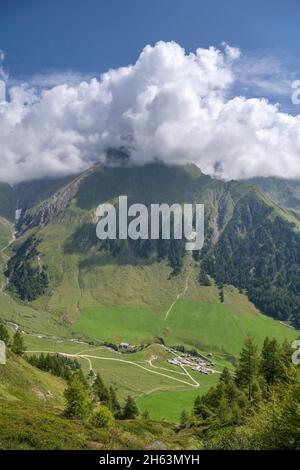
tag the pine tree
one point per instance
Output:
(225, 376)
(202, 407)
(223, 411)
(4, 336)
(78, 404)
(82, 379)
(248, 369)
(277, 425)
(114, 403)
(130, 410)
(197, 406)
(204, 279)
(221, 294)
(272, 365)
(286, 354)
(184, 419)
(101, 390)
(18, 346)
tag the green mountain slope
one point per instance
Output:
(21, 382)
(32, 193)
(259, 250)
(84, 273)
(31, 417)
(6, 233)
(284, 192)
(62, 282)
(7, 202)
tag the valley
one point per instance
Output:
(203, 324)
(98, 295)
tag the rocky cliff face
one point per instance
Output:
(47, 210)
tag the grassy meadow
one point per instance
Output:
(207, 326)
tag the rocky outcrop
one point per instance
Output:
(41, 215)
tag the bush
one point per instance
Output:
(102, 417)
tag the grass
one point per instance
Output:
(214, 327)
(26, 428)
(31, 319)
(209, 326)
(31, 417)
(132, 374)
(6, 232)
(131, 324)
(168, 405)
(51, 344)
(22, 383)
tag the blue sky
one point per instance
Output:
(88, 37)
(94, 35)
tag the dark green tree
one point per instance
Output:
(286, 354)
(248, 370)
(197, 406)
(225, 376)
(101, 391)
(221, 294)
(82, 378)
(130, 410)
(27, 279)
(18, 346)
(203, 408)
(204, 279)
(278, 424)
(114, 404)
(57, 364)
(78, 404)
(184, 419)
(272, 364)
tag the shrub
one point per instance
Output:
(102, 417)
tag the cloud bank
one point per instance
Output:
(169, 105)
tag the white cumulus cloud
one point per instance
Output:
(169, 105)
